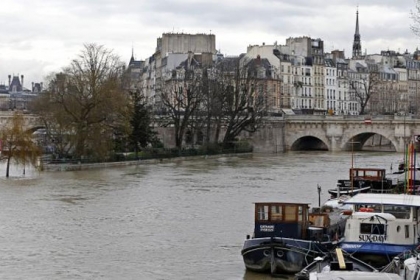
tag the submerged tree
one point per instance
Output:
(18, 144)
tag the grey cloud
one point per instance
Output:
(125, 23)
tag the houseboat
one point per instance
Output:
(362, 180)
(287, 237)
(381, 226)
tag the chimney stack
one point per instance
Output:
(10, 79)
(21, 80)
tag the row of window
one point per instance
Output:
(287, 213)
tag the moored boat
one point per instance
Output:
(362, 180)
(405, 175)
(381, 226)
(287, 237)
(336, 260)
(411, 268)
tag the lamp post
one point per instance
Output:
(352, 163)
(319, 195)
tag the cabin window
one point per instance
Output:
(290, 213)
(400, 212)
(372, 229)
(407, 231)
(276, 213)
(263, 213)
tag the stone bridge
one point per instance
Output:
(309, 132)
(333, 133)
(32, 122)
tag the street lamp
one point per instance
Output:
(319, 195)
(352, 163)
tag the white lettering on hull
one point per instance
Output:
(267, 228)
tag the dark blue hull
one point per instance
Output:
(281, 255)
(378, 254)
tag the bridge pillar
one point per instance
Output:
(401, 144)
(335, 143)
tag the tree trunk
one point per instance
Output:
(217, 132)
(7, 167)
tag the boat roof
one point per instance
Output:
(282, 203)
(385, 198)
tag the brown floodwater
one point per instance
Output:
(173, 220)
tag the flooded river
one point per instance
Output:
(173, 220)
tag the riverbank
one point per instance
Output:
(85, 166)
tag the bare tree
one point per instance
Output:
(364, 84)
(182, 96)
(243, 98)
(18, 144)
(58, 125)
(415, 16)
(90, 101)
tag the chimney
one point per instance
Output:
(21, 80)
(10, 79)
(33, 88)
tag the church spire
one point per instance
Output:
(357, 45)
(132, 56)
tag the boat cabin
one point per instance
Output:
(288, 220)
(372, 177)
(367, 174)
(382, 219)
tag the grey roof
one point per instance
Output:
(385, 198)
(329, 62)
(388, 70)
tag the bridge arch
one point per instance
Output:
(357, 141)
(33, 129)
(306, 141)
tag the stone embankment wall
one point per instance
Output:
(86, 166)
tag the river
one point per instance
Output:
(172, 220)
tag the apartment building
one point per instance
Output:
(171, 50)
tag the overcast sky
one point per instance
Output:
(42, 36)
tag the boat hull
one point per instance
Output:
(280, 255)
(348, 191)
(377, 254)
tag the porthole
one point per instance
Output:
(280, 254)
(267, 253)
